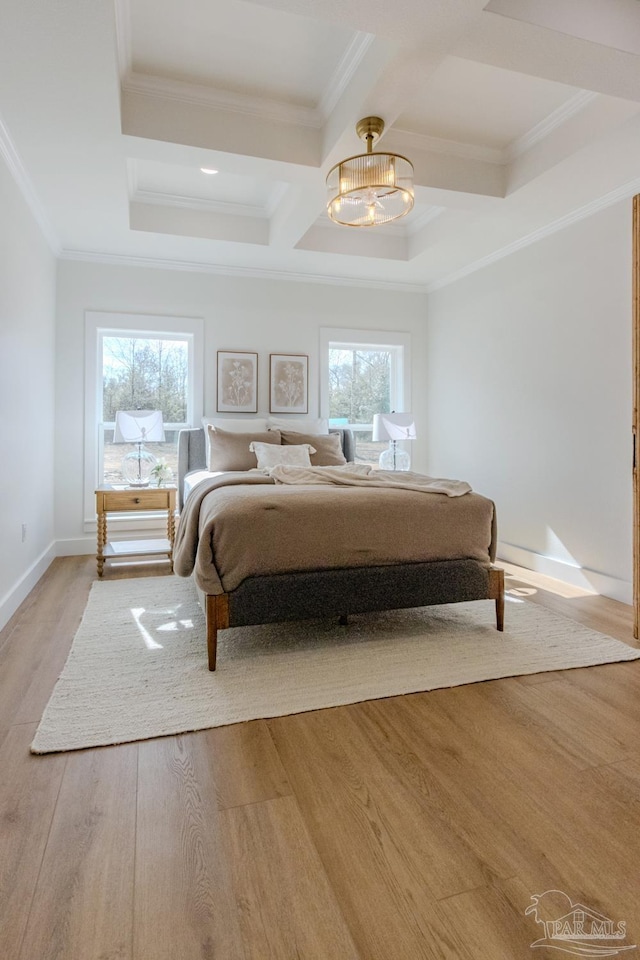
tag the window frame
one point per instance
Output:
(99, 325)
(398, 343)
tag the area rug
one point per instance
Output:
(138, 665)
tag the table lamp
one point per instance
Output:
(393, 427)
(139, 427)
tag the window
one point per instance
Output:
(364, 373)
(142, 373)
(138, 363)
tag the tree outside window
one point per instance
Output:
(360, 385)
(143, 373)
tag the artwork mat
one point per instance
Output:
(277, 403)
(225, 362)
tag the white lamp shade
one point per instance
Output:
(138, 426)
(393, 426)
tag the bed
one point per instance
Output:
(352, 550)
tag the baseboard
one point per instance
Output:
(78, 547)
(21, 590)
(593, 580)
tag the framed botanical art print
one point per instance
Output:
(237, 382)
(288, 383)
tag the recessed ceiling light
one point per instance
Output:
(208, 170)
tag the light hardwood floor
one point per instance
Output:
(399, 829)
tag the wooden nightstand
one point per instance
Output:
(134, 500)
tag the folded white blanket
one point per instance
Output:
(359, 474)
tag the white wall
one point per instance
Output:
(529, 398)
(239, 313)
(27, 363)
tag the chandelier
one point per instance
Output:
(371, 188)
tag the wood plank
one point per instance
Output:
(502, 788)
(488, 921)
(30, 662)
(38, 639)
(418, 745)
(506, 776)
(245, 763)
(526, 726)
(28, 793)
(555, 804)
(614, 684)
(184, 904)
(519, 894)
(587, 728)
(389, 857)
(82, 903)
(49, 599)
(36, 647)
(287, 907)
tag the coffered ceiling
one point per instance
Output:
(519, 116)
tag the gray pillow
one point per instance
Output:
(328, 447)
(230, 451)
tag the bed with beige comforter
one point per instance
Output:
(261, 546)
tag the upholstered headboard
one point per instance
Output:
(192, 454)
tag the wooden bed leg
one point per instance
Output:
(217, 617)
(343, 620)
(496, 592)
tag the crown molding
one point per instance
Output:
(414, 226)
(564, 112)
(219, 99)
(504, 156)
(254, 106)
(258, 273)
(226, 207)
(19, 173)
(621, 193)
(349, 63)
(123, 37)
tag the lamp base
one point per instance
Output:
(393, 458)
(136, 467)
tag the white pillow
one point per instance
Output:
(273, 455)
(319, 426)
(248, 425)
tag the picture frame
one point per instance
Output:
(237, 388)
(288, 383)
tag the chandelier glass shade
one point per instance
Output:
(371, 188)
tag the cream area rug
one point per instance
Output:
(138, 664)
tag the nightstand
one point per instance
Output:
(134, 500)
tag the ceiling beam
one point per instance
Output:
(197, 124)
(296, 212)
(527, 48)
(354, 242)
(595, 120)
(187, 222)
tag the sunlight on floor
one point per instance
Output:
(137, 613)
(539, 581)
(176, 625)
